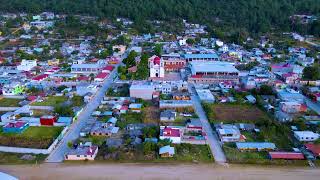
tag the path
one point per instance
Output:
(158, 171)
(212, 140)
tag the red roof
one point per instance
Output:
(170, 132)
(102, 75)
(31, 98)
(83, 78)
(124, 108)
(17, 124)
(156, 60)
(286, 155)
(40, 77)
(108, 68)
(314, 148)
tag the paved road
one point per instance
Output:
(212, 140)
(57, 155)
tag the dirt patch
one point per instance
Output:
(151, 115)
(235, 113)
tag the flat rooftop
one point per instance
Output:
(213, 66)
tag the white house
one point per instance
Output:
(82, 153)
(156, 66)
(27, 65)
(228, 133)
(306, 135)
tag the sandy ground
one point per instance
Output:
(157, 171)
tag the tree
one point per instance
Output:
(61, 88)
(149, 147)
(130, 60)
(265, 90)
(311, 73)
(63, 110)
(149, 132)
(158, 49)
(190, 41)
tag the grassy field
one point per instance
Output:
(8, 102)
(51, 101)
(185, 153)
(233, 113)
(129, 118)
(33, 137)
(235, 156)
(14, 158)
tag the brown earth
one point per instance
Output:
(234, 113)
(156, 171)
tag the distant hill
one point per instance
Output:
(251, 15)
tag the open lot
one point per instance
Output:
(233, 113)
(14, 158)
(186, 153)
(8, 102)
(51, 101)
(235, 156)
(33, 137)
(151, 114)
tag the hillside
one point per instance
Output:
(251, 15)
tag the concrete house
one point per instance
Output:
(306, 136)
(168, 115)
(166, 151)
(82, 152)
(228, 133)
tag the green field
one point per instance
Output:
(51, 101)
(235, 156)
(184, 153)
(14, 158)
(33, 137)
(8, 102)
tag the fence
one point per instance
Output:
(9, 108)
(33, 150)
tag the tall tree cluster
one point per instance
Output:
(254, 16)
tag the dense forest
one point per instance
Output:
(254, 16)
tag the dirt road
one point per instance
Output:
(157, 171)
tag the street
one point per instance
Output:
(212, 140)
(57, 155)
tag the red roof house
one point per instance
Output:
(107, 69)
(314, 148)
(48, 120)
(101, 76)
(40, 77)
(286, 155)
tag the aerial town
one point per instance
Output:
(72, 91)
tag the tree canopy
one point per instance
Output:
(251, 15)
(311, 73)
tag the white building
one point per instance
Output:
(82, 153)
(306, 135)
(143, 91)
(205, 95)
(156, 66)
(27, 65)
